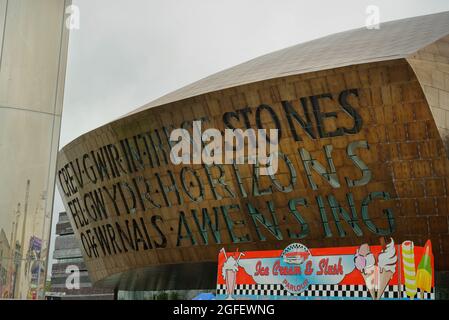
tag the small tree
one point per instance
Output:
(162, 296)
(47, 286)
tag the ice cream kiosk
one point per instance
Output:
(390, 270)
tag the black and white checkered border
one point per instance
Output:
(318, 290)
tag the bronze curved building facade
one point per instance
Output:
(363, 118)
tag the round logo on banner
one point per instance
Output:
(291, 266)
(295, 253)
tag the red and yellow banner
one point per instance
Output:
(388, 271)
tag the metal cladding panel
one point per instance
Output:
(361, 157)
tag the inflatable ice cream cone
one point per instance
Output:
(229, 273)
(370, 277)
(408, 262)
(387, 267)
(424, 273)
(383, 281)
(364, 261)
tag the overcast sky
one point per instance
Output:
(127, 53)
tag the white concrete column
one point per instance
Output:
(33, 56)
